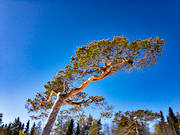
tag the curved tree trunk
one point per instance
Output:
(60, 101)
(52, 116)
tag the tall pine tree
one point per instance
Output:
(70, 128)
(163, 124)
(96, 127)
(77, 129)
(92, 62)
(26, 131)
(33, 129)
(173, 123)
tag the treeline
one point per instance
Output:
(19, 128)
(170, 126)
(123, 123)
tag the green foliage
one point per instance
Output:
(61, 124)
(162, 125)
(94, 59)
(26, 131)
(77, 130)
(133, 122)
(102, 52)
(1, 115)
(70, 128)
(15, 127)
(33, 130)
(86, 125)
(95, 128)
(173, 123)
(158, 130)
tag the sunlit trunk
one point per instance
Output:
(52, 116)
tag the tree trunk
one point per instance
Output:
(52, 116)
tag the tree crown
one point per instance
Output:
(93, 62)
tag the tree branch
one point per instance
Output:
(92, 78)
(70, 102)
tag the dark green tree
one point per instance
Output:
(86, 125)
(95, 128)
(163, 125)
(1, 115)
(93, 62)
(70, 128)
(15, 127)
(157, 130)
(178, 118)
(22, 127)
(62, 123)
(9, 128)
(33, 130)
(173, 123)
(77, 129)
(26, 131)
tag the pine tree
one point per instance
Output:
(77, 129)
(86, 125)
(38, 128)
(173, 123)
(33, 129)
(93, 62)
(1, 115)
(15, 127)
(61, 125)
(163, 124)
(157, 130)
(178, 118)
(22, 127)
(70, 128)
(96, 127)
(133, 122)
(9, 129)
(26, 131)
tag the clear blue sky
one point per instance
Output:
(38, 37)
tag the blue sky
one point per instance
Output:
(38, 37)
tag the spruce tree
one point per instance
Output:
(86, 125)
(77, 129)
(70, 128)
(96, 127)
(15, 127)
(22, 127)
(33, 129)
(163, 124)
(178, 118)
(26, 131)
(61, 125)
(9, 129)
(173, 123)
(157, 130)
(1, 115)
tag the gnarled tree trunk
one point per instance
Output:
(60, 101)
(52, 115)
